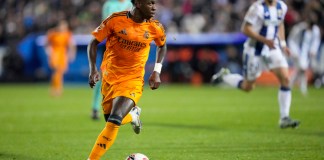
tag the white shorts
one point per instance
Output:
(254, 65)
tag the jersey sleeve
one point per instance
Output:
(253, 15)
(284, 8)
(161, 37)
(104, 30)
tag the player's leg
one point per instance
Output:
(132, 117)
(57, 82)
(117, 104)
(294, 78)
(303, 82)
(252, 69)
(133, 90)
(96, 104)
(120, 108)
(284, 95)
(279, 66)
(304, 63)
(284, 98)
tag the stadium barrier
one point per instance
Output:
(33, 54)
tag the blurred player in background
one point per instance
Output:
(60, 49)
(304, 41)
(109, 7)
(263, 24)
(128, 35)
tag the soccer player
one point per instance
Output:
(60, 49)
(109, 7)
(304, 41)
(128, 36)
(263, 24)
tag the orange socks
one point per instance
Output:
(106, 138)
(57, 83)
(127, 119)
(104, 141)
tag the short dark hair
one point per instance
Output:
(133, 1)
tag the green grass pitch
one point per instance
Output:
(181, 122)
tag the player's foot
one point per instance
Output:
(287, 122)
(136, 122)
(95, 115)
(218, 77)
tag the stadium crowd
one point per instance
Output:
(22, 17)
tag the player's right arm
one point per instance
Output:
(160, 41)
(99, 35)
(252, 17)
(248, 31)
(94, 75)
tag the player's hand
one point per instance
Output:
(270, 43)
(154, 80)
(94, 77)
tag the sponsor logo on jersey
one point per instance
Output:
(130, 45)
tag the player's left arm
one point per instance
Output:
(160, 41)
(282, 39)
(154, 79)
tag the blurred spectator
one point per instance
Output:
(207, 61)
(179, 64)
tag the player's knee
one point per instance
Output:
(285, 81)
(116, 119)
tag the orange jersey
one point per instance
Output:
(127, 46)
(59, 42)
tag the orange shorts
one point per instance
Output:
(132, 89)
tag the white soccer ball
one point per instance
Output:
(137, 156)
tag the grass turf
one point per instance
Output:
(180, 122)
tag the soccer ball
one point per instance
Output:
(137, 156)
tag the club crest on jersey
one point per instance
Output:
(123, 32)
(146, 35)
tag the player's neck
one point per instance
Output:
(271, 2)
(136, 17)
